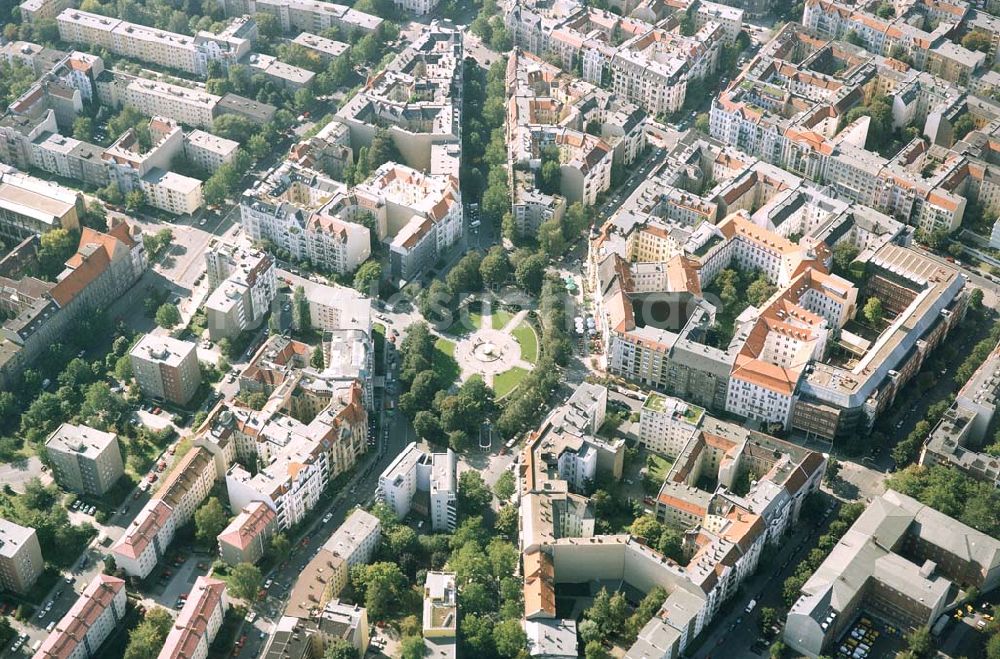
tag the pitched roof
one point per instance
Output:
(539, 587)
(71, 630)
(192, 625)
(250, 523)
(93, 255)
(144, 527)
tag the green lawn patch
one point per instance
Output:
(501, 318)
(444, 362)
(658, 467)
(461, 328)
(475, 311)
(524, 334)
(506, 382)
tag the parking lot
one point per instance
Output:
(869, 637)
(176, 577)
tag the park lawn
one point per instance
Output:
(524, 334)
(501, 318)
(475, 317)
(506, 382)
(461, 328)
(444, 361)
(658, 467)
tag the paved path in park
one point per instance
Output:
(489, 352)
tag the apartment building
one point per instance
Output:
(280, 73)
(292, 480)
(98, 612)
(302, 629)
(248, 108)
(336, 239)
(248, 535)
(959, 437)
(310, 215)
(199, 621)
(901, 562)
(147, 44)
(306, 15)
(31, 206)
(552, 115)
(774, 365)
(70, 158)
(312, 429)
(356, 539)
(337, 307)
(420, 215)
(20, 557)
(800, 136)
(327, 49)
(926, 300)
(563, 459)
(348, 622)
(104, 267)
(133, 164)
(440, 614)
(18, 132)
(209, 151)
(416, 99)
(654, 69)
(555, 552)
(174, 193)
(84, 460)
(416, 7)
(726, 452)
(774, 355)
(146, 539)
(531, 207)
(34, 10)
(901, 33)
(666, 424)
(185, 105)
(242, 284)
(166, 368)
(440, 618)
(353, 543)
(584, 160)
(328, 151)
(416, 475)
(726, 534)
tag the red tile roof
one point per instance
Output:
(88, 609)
(250, 523)
(143, 528)
(191, 625)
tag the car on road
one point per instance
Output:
(202, 222)
(327, 517)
